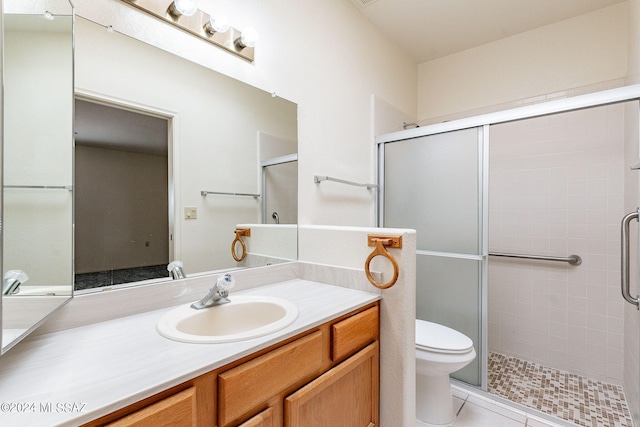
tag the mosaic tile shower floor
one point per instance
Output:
(567, 396)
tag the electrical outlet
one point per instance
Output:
(190, 213)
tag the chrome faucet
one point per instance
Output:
(175, 269)
(217, 294)
(12, 281)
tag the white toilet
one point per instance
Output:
(439, 352)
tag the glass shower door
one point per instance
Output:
(436, 185)
(280, 190)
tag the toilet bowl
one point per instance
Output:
(439, 351)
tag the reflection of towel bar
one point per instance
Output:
(380, 241)
(42, 187)
(205, 192)
(318, 179)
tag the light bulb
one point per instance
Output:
(48, 15)
(218, 24)
(249, 38)
(183, 7)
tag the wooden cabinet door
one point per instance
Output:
(345, 396)
(178, 410)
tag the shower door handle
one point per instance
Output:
(626, 294)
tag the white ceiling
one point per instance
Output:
(430, 29)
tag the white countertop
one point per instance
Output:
(77, 375)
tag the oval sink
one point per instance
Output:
(245, 317)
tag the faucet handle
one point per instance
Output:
(225, 282)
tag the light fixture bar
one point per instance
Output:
(195, 24)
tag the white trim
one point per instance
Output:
(101, 98)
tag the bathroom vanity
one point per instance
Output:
(325, 365)
(328, 375)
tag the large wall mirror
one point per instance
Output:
(171, 158)
(37, 166)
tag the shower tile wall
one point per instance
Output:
(556, 188)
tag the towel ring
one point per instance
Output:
(380, 242)
(239, 233)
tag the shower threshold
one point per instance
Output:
(569, 397)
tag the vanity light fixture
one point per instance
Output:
(248, 38)
(48, 15)
(185, 15)
(219, 24)
(183, 7)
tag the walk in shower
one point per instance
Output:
(279, 179)
(548, 180)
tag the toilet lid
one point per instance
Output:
(434, 337)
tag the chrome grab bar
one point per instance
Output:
(571, 259)
(624, 259)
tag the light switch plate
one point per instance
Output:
(190, 212)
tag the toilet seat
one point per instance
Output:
(441, 339)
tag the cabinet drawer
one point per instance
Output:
(178, 410)
(249, 385)
(350, 335)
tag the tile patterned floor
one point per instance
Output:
(116, 277)
(564, 395)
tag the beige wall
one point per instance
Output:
(582, 51)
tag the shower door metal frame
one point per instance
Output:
(483, 227)
(563, 105)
